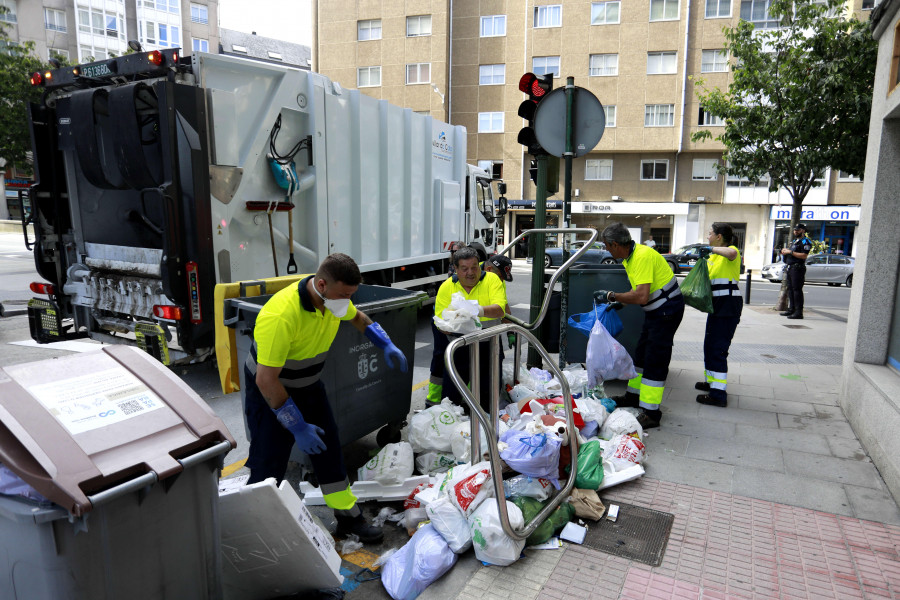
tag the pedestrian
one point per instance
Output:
(286, 401)
(721, 323)
(795, 259)
(486, 288)
(656, 290)
(649, 242)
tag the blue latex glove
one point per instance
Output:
(308, 437)
(378, 336)
(705, 251)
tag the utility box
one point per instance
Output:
(128, 457)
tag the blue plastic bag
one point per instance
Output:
(534, 455)
(584, 322)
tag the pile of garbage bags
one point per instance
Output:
(458, 510)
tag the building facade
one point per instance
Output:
(461, 62)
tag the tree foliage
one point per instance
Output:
(800, 98)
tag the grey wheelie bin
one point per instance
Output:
(127, 458)
(364, 393)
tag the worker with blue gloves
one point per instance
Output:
(286, 403)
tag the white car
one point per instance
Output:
(833, 269)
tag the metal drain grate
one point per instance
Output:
(638, 533)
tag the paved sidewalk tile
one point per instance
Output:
(736, 453)
(803, 409)
(840, 470)
(792, 489)
(816, 425)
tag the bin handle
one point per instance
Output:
(123, 488)
(254, 283)
(204, 455)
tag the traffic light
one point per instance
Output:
(552, 173)
(537, 87)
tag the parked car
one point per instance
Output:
(833, 269)
(684, 258)
(596, 255)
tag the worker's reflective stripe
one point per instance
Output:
(726, 292)
(724, 286)
(651, 393)
(662, 295)
(434, 393)
(634, 384)
(717, 380)
(436, 380)
(341, 498)
(295, 373)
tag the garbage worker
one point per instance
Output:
(795, 258)
(656, 290)
(286, 402)
(486, 288)
(721, 323)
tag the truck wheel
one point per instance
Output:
(389, 434)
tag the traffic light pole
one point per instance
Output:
(537, 251)
(567, 223)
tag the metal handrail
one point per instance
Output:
(562, 269)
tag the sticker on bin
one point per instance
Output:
(96, 400)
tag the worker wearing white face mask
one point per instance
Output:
(286, 402)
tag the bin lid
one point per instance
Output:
(78, 425)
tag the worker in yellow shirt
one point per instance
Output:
(286, 403)
(490, 292)
(656, 290)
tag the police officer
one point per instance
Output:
(656, 290)
(721, 323)
(795, 259)
(474, 284)
(285, 399)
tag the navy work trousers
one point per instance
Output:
(437, 355)
(270, 443)
(796, 277)
(719, 333)
(654, 348)
(461, 361)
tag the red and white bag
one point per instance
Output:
(415, 511)
(624, 451)
(471, 487)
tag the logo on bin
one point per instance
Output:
(368, 363)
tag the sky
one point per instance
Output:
(288, 20)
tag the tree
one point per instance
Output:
(17, 62)
(800, 98)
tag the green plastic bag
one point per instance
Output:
(590, 466)
(552, 525)
(696, 288)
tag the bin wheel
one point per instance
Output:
(389, 434)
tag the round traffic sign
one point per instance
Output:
(588, 122)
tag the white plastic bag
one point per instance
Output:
(434, 462)
(432, 428)
(532, 487)
(606, 358)
(450, 523)
(491, 543)
(390, 466)
(460, 317)
(414, 509)
(592, 410)
(418, 564)
(624, 451)
(470, 487)
(618, 422)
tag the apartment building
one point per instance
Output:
(461, 62)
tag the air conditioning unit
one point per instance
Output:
(701, 198)
(617, 199)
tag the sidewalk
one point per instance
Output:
(772, 497)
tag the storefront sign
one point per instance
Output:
(532, 204)
(631, 208)
(18, 183)
(817, 213)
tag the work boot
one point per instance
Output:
(796, 315)
(648, 419)
(368, 534)
(786, 313)
(710, 401)
(626, 400)
(435, 390)
(703, 386)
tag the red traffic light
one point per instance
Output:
(156, 57)
(536, 86)
(36, 79)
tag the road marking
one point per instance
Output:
(422, 344)
(232, 468)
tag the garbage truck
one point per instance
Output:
(158, 177)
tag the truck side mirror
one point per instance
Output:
(502, 206)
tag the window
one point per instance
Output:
(8, 15)
(490, 122)
(150, 32)
(368, 77)
(604, 65)
(168, 36)
(705, 169)
(174, 6)
(844, 176)
(716, 9)
(605, 13)
(493, 26)
(274, 55)
(492, 74)
(199, 13)
(112, 26)
(610, 115)
(663, 10)
(490, 165)
(368, 30)
(91, 55)
(54, 20)
(548, 16)
(199, 45)
(661, 63)
(707, 119)
(418, 26)
(541, 65)
(598, 169)
(236, 48)
(91, 22)
(58, 54)
(655, 170)
(757, 12)
(418, 73)
(734, 180)
(713, 61)
(659, 115)
(868, 4)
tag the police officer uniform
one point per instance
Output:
(796, 274)
(662, 316)
(721, 324)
